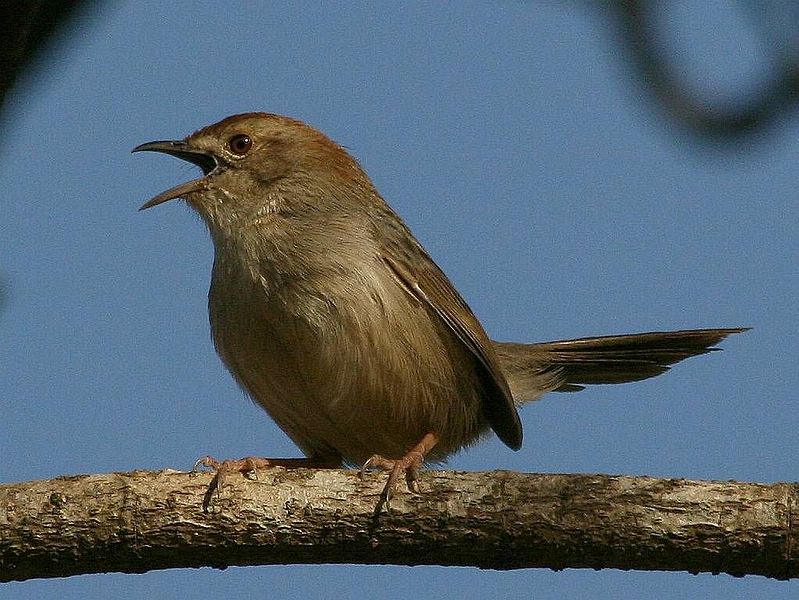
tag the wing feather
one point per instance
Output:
(426, 282)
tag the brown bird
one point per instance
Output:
(334, 319)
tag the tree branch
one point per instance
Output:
(139, 521)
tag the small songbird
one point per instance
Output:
(335, 320)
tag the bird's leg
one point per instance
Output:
(250, 465)
(410, 465)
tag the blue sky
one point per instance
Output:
(515, 143)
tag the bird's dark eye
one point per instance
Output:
(240, 144)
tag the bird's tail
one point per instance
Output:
(570, 365)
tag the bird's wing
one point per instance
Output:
(426, 282)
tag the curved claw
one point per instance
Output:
(376, 461)
(205, 461)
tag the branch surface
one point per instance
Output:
(144, 520)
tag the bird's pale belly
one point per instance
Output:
(340, 385)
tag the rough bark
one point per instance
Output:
(139, 521)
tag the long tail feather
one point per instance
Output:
(569, 365)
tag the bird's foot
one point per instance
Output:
(249, 467)
(409, 465)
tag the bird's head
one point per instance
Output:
(256, 163)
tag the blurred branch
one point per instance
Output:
(27, 28)
(638, 31)
(139, 521)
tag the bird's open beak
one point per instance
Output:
(181, 149)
